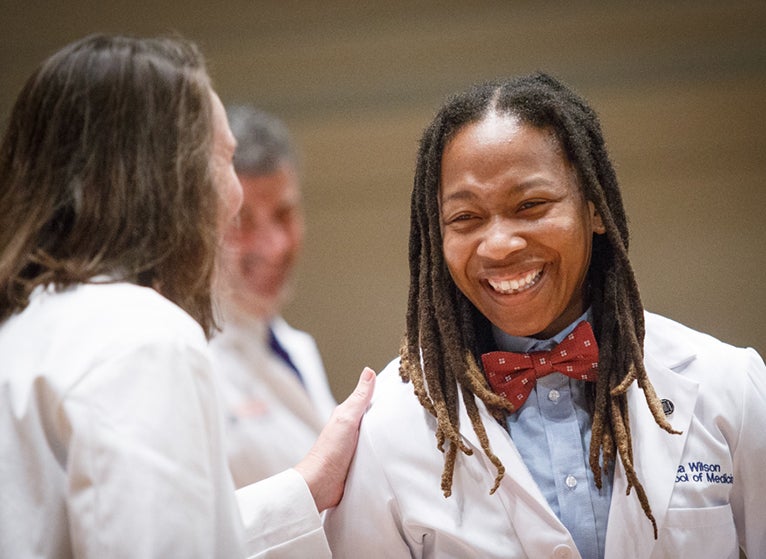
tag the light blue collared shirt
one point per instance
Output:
(552, 433)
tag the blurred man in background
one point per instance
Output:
(274, 385)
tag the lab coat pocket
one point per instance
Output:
(698, 533)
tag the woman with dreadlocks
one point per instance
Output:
(562, 419)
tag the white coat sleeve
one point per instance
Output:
(367, 522)
(747, 501)
(281, 519)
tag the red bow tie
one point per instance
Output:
(513, 375)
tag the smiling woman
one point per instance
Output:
(536, 387)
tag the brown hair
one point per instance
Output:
(445, 333)
(104, 172)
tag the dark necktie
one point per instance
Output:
(280, 351)
(513, 375)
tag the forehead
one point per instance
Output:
(500, 127)
(281, 186)
(501, 141)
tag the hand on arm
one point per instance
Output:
(326, 465)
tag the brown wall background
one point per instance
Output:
(680, 87)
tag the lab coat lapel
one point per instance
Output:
(535, 523)
(275, 373)
(656, 455)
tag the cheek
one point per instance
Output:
(456, 256)
(576, 254)
(229, 191)
(232, 195)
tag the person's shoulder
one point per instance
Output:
(64, 333)
(389, 384)
(398, 431)
(122, 310)
(394, 404)
(679, 347)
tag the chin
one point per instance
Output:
(523, 329)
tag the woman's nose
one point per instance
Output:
(501, 238)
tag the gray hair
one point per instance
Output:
(263, 141)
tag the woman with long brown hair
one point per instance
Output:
(116, 177)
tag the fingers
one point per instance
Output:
(359, 399)
(349, 413)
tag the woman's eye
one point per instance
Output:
(463, 219)
(459, 219)
(530, 204)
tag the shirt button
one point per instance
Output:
(571, 481)
(562, 551)
(554, 395)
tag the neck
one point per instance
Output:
(507, 342)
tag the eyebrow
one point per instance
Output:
(466, 194)
(460, 195)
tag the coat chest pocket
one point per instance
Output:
(698, 533)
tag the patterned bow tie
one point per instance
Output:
(513, 375)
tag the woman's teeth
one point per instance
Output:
(507, 287)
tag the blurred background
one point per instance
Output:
(680, 88)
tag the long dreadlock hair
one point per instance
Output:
(445, 333)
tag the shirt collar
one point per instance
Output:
(520, 344)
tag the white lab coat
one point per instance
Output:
(111, 441)
(272, 420)
(393, 505)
